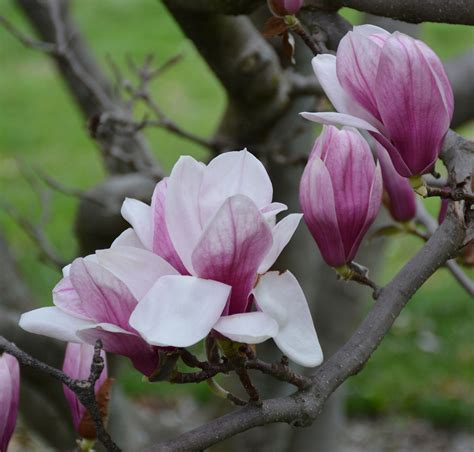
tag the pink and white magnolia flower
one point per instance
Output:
(216, 225)
(340, 193)
(395, 87)
(91, 303)
(77, 365)
(9, 397)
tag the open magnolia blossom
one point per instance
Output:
(197, 261)
(90, 304)
(395, 87)
(216, 225)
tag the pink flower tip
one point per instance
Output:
(9, 397)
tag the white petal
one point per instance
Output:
(280, 296)
(234, 173)
(324, 67)
(127, 238)
(271, 211)
(138, 214)
(138, 268)
(282, 233)
(247, 328)
(179, 310)
(182, 207)
(54, 323)
(335, 119)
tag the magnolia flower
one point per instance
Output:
(395, 87)
(281, 8)
(216, 226)
(77, 365)
(9, 398)
(340, 193)
(401, 201)
(90, 304)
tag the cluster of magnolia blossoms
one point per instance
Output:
(194, 263)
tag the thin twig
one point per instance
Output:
(455, 194)
(84, 389)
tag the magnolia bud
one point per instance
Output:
(340, 193)
(9, 398)
(77, 365)
(281, 8)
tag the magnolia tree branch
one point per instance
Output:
(413, 11)
(84, 389)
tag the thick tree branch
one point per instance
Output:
(413, 11)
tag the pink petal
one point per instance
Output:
(9, 397)
(402, 201)
(137, 268)
(247, 328)
(162, 244)
(182, 207)
(351, 166)
(410, 103)
(280, 296)
(444, 85)
(375, 199)
(369, 30)
(233, 173)
(179, 311)
(282, 233)
(318, 205)
(67, 299)
(143, 356)
(232, 248)
(356, 63)
(138, 214)
(104, 297)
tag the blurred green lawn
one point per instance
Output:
(425, 367)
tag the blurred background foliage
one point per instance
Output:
(424, 368)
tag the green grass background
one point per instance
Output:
(425, 367)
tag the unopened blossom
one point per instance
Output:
(9, 398)
(216, 226)
(92, 303)
(401, 200)
(340, 193)
(281, 8)
(395, 87)
(77, 365)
